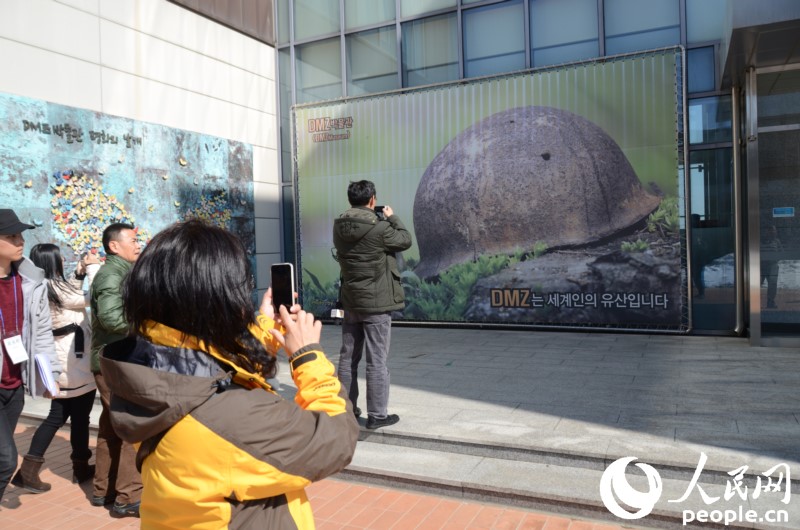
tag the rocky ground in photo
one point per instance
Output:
(596, 269)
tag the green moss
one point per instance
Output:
(635, 246)
(665, 219)
(447, 297)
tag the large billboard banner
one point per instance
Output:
(549, 197)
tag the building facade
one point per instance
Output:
(142, 62)
(738, 211)
(242, 76)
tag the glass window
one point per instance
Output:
(430, 50)
(372, 61)
(318, 71)
(467, 2)
(358, 13)
(778, 101)
(494, 39)
(700, 69)
(563, 31)
(712, 240)
(633, 25)
(410, 8)
(285, 95)
(282, 7)
(779, 182)
(313, 18)
(704, 20)
(287, 197)
(710, 120)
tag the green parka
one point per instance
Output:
(365, 248)
(108, 320)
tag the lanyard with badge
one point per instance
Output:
(13, 343)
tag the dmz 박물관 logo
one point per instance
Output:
(625, 502)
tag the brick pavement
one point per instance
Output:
(337, 505)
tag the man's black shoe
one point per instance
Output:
(375, 423)
(357, 412)
(126, 510)
(100, 500)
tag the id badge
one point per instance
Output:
(16, 350)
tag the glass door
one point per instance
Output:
(775, 223)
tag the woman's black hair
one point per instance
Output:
(47, 257)
(195, 277)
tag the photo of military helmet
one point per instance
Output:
(524, 176)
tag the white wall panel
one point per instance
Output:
(268, 135)
(35, 73)
(265, 165)
(90, 6)
(268, 239)
(142, 99)
(267, 200)
(52, 26)
(133, 52)
(184, 28)
(271, 167)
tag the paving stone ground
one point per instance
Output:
(337, 505)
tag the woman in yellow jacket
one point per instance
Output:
(218, 447)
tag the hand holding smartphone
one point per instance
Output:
(282, 286)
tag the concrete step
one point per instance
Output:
(595, 451)
(555, 487)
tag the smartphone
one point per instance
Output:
(282, 285)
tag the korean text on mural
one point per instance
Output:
(74, 134)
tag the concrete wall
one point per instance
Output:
(153, 61)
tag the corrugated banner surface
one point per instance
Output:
(550, 197)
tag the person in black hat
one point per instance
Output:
(25, 330)
(72, 334)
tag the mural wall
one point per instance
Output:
(72, 172)
(550, 197)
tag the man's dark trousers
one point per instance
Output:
(369, 334)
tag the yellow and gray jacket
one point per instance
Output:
(218, 448)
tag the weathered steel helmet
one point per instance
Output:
(522, 176)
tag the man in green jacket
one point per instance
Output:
(366, 241)
(116, 478)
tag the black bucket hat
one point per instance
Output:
(10, 223)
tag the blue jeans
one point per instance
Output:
(367, 334)
(11, 402)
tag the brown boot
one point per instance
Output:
(81, 471)
(28, 475)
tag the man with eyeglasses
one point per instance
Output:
(116, 478)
